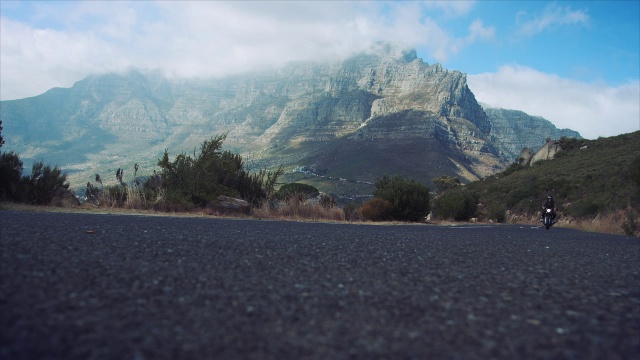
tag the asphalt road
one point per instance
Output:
(143, 287)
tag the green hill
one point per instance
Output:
(588, 178)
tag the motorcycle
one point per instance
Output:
(547, 218)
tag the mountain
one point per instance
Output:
(381, 112)
(514, 130)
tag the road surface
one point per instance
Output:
(151, 287)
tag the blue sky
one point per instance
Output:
(581, 40)
(575, 63)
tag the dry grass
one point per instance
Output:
(299, 210)
(611, 223)
(98, 209)
(129, 197)
(620, 223)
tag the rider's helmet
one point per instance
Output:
(549, 201)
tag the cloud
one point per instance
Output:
(450, 9)
(477, 30)
(34, 60)
(553, 16)
(442, 46)
(592, 109)
(59, 43)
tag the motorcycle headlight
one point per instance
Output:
(548, 210)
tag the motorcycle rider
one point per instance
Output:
(549, 204)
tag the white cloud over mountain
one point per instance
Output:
(59, 43)
(593, 109)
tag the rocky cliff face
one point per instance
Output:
(525, 157)
(513, 130)
(335, 117)
(548, 151)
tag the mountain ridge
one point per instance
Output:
(383, 104)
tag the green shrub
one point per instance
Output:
(212, 173)
(571, 144)
(523, 195)
(302, 191)
(43, 183)
(586, 207)
(410, 199)
(39, 188)
(377, 209)
(497, 213)
(10, 175)
(458, 204)
(635, 171)
(443, 183)
(515, 167)
(1, 138)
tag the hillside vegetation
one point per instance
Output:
(588, 179)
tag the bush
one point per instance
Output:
(128, 197)
(497, 213)
(213, 173)
(327, 201)
(353, 212)
(635, 171)
(586, 207)
(377, 209)
(296, 209)
(458, 204)
(43, 184)
(10, 175)
(443, 183)
(114, 196)
(410, 199)
(1, 138)
(301, 191)
(40, 187)
(571, 144)
(513, 168)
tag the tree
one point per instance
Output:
(92, 193)
(43, 183)
(299, 190)
(377, 210)
(268, 179)
(410, 199)
(446, 182)
(211, 173)
(458, 204)
(10, 175)
(1, 138)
